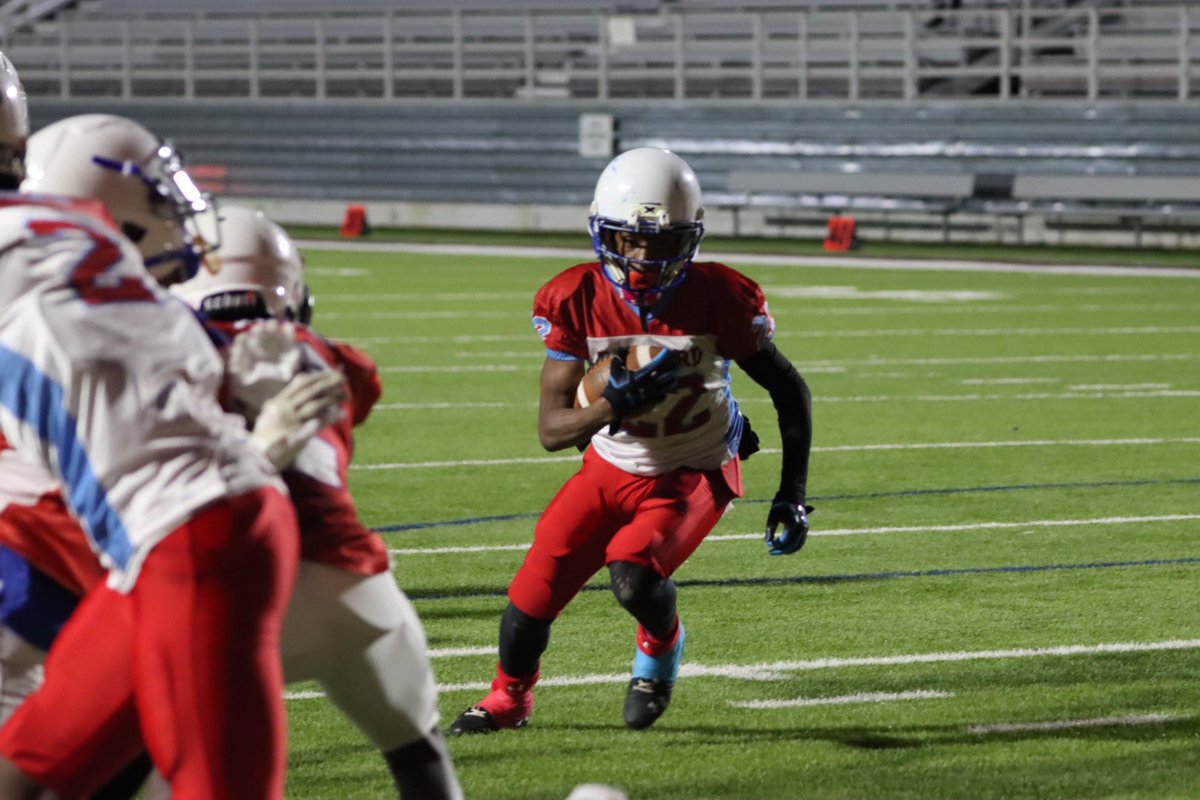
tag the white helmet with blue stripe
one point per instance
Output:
(138, 178)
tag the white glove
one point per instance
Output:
(288, 420)
(260, 363)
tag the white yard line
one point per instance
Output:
(790, 333)
(697, 670)
(1126, 394)
(1006, 381)
(733, 537)
(850, 448)
(459, 652)
(845, 699)
(985, 526)
(582, 254)
(854, 448)
(777, 670)
(538, 355)
(1145, 394)
(1071, 724)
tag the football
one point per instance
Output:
(592, 385)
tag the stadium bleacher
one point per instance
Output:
(789, 111)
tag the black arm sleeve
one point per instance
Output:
(771, 370)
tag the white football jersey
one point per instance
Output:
(110, 384)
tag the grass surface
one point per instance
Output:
(997, 474)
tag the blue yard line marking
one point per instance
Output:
(849, 577)
(451, 523)
(1018, 487)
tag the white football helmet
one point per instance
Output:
(653, 195)
(14, 126)
(259, 273)
(138, 178)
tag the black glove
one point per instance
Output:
(748, 446)
(793, 517)
(631, 391)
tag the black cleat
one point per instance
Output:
(478, 719)
(646, 701)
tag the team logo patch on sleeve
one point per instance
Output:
(542, 326)
(764, 326)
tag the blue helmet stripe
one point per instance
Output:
(35, 399)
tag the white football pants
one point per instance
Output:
(361, 639)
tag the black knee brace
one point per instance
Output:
(645, 594)
(523, 639)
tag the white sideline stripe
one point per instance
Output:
(834, 399)
(456, 652)
(733, 537)
(1005, 381)
(1016, 443)
(1104, 387)
(845, 699)
(756, 671)
(981, 526)
(1069, 724)
(804, 366)
(539, 355)
(950, 398)
(692, 670)
(582, 254)
(1042, 359)
(849, 448)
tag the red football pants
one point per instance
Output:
(604, 514)
(186, 665)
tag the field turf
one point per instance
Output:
(999, 598)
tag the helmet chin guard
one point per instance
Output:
(646, 224)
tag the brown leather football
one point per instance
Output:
(594, 381)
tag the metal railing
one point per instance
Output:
(991, 55)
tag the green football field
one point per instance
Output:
(999, 598)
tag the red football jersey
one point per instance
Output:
(716, 315)
(330, 530)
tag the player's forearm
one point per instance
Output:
(793, 405)
(561, 428)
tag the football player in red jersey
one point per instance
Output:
(109, 389)
(348, 625)
(666, 440)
